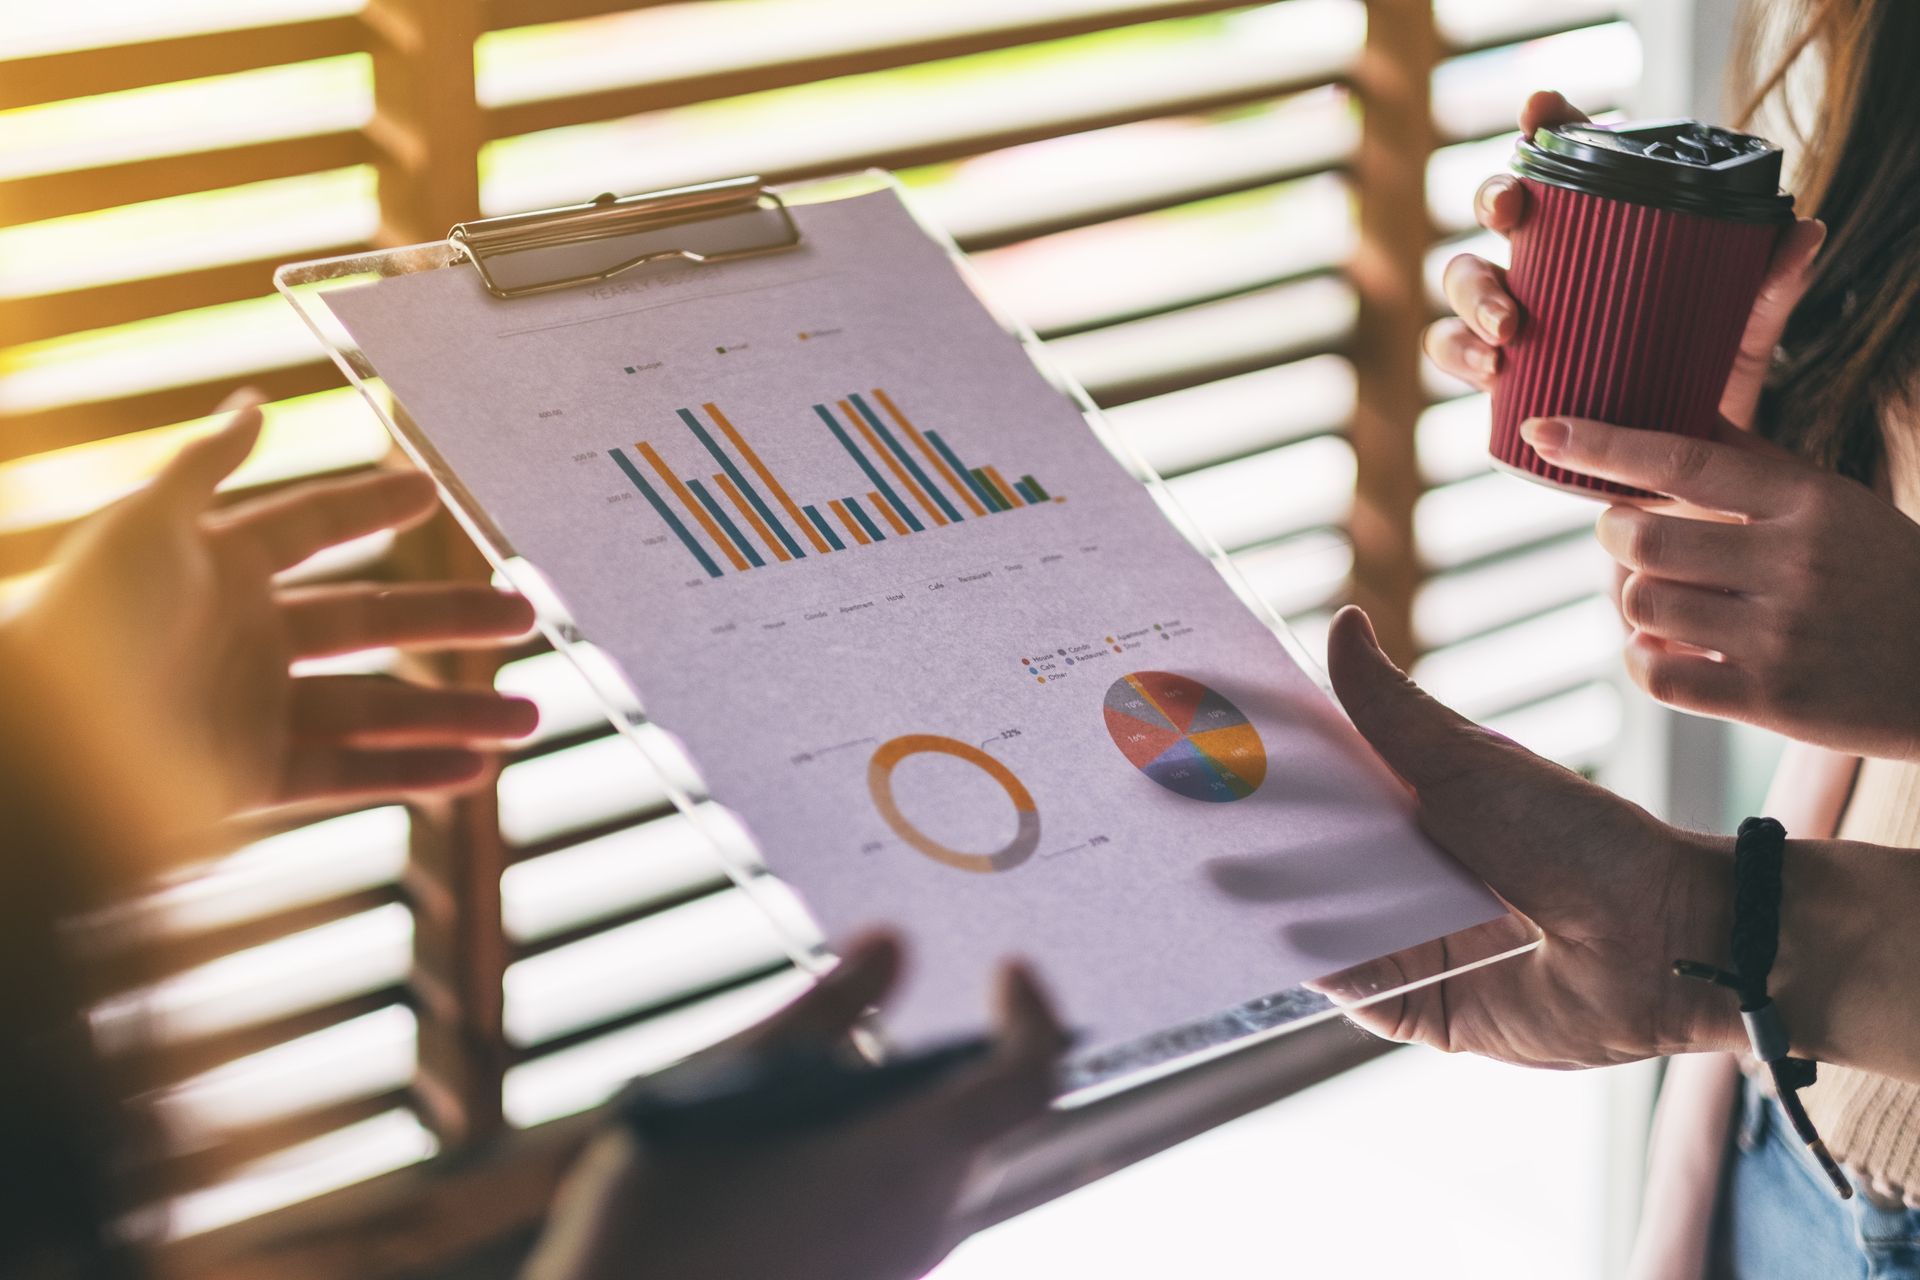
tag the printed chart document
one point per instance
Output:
(938, 649)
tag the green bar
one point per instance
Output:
(1038, 492)
(993, 491)
(965, 473)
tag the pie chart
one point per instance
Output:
(1186, 737)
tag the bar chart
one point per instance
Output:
(915, 481)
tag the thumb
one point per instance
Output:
(1788, 274)
(868, 969)
(191, 476)
(1425, 742)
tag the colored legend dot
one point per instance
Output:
(1156, 626)
(1116, 648)
(1043, 679)
(1109, 639)
(1069, 661)
(1033, 671)
(630, 369)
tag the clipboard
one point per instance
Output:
(706, 228)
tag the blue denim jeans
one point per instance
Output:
(1780, 1220)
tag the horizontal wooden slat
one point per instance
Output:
(554, 942)
(1530, 22)
(64, 192)
(963, 145)
(188, 1171)
(498, 15)
(51, 315)
(550, 113)
(1149, 198)
(70, 424)
(153, 959)
(82, 73)
(645, 1013)
(177, 1063)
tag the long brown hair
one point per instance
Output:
(1852, 350)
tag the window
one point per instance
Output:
(1228, 220)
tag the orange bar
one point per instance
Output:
(905, 477)
(766, 476)
(954, 482)
(899, 526)
(1013, 494)
(753, 517)
(688, 501)
(853, 526)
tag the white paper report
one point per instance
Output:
(937, 648)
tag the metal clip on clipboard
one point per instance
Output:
(528, 253)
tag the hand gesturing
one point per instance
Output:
(163, 638)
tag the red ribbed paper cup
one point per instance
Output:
(1632, 315)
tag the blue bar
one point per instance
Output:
(826, 530)
(966, 473)
(666, 513)
(714, 509)
(1025, 490)
(733, 474)
(873, 530)
(912, 467)
(879, 484)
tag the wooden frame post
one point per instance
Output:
(1394, 81)
(427, 135)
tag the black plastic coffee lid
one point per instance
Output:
(1671, 164)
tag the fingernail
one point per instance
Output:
(1546, 435)
(1493, 319)
(1483, 360)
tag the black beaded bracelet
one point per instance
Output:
(1758, 855)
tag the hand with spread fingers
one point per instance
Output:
(1617, 896)
(162, 618)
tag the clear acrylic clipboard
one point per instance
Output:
(712, 225)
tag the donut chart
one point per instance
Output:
(1186, 737)
(1026, 835)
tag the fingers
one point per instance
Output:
(300, 521)
(370, 710)
(1698, 616)
(190, 478)
(1459, 351)
(1476, 290)
(1688, 680)
(1701, 553)
(868, 968)
(1548, 107)
(1500, 203)
(1788, 274)
(1705, 473)
(341, 773)
(1017, 1083)
(323, 621)
(1426, 743)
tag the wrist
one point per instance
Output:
(1700, 927)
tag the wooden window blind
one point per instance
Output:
(1227, 219)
